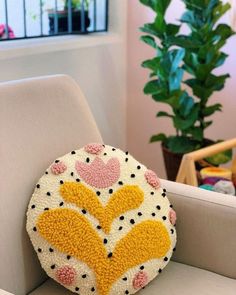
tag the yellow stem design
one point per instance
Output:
(72, 234)
(127, 198)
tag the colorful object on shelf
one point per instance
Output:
(3, 32)
(206, 187)
(224, 187)
(216, 172)
(213, 180)
(100, 222)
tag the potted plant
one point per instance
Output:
(78, 8)
(197, 53)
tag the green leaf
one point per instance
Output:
(151, 29)
(188, 17)
(172, 100)
(158, 137)
(186, 104)
(175, 79)
(187, 122)
(177, 57)
(208, 111)
(152, 87)
(220, 59)
(172, 29)
(181, 144)
(151, 64)
(220, 158)
(149, 40)
(223, 31)
(219, 11)
(158, 6)
(216, 83)
(199, 89)
(184, 42)
(164, 114)
(150, 3)
(196, 133)
(162, 5)
(207, 124)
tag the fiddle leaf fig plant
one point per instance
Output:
(198, 54)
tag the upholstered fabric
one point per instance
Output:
(92, 208)
(206, 228)
(176, 279)
(32, 135)
(40, 119)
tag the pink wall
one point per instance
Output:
(141, 121)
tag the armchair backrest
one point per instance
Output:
(40, 119)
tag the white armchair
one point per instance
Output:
(43, 118)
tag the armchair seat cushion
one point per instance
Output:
(178, 279)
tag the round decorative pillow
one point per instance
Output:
(100, 222)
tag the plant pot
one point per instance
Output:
(172, 161)
(62, 18)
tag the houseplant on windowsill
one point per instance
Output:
(77, 6)
(197, 53)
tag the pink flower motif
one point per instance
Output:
(152, 179)
(172, 217)
(99, 174)
(140, 280)
(58, 168)
(66, 275)
(94, 148)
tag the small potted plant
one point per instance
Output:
(197, 53)
(77, 8)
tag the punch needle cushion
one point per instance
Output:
(100, 222)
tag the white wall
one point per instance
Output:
(141, 115)
(99, 69)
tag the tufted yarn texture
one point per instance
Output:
(100, 222)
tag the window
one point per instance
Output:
(21, 19)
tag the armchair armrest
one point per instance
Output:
(206, 228)
(2, 292)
